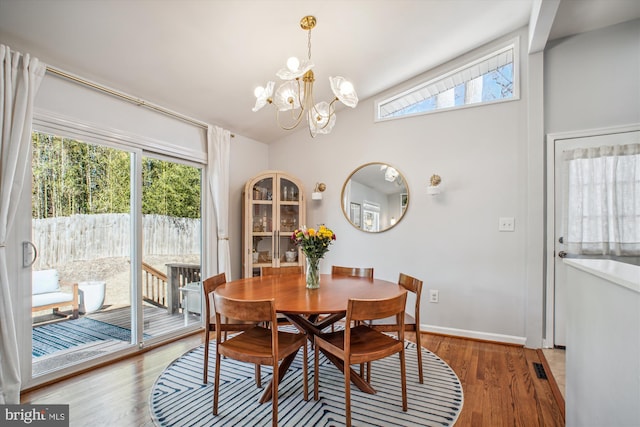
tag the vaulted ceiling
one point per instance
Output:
(203, 58)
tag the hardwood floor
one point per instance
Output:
(499, 381)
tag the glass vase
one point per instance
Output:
(313, 273)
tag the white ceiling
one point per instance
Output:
(203, 58)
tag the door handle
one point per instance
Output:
(562, 254)
(26, 254)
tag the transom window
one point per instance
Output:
(490, 78)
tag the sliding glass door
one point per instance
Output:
(171, 246)
(117, 234)
(81, 228)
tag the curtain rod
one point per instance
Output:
(137, 101)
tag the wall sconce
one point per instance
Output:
(317, 192)
(434, 187)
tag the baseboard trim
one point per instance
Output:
(477, 335)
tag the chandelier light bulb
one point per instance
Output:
(259, 90)
(293, 64)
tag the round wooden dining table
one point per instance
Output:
(303, 306)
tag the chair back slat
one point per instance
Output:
(243, 310)
(365, 272)
(362, 309)
(410, 283)
(414, 285)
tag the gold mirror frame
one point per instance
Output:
(373, 202)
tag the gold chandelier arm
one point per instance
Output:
(296, 120)
(300, 98)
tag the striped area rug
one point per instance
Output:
(179, 398)
(58, 336)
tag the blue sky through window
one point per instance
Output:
(476, 88)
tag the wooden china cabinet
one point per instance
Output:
(273, 207)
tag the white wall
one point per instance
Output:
(450, 241)
(603, 344)
(248, 158)
(592, 79)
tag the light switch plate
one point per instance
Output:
(506, 224)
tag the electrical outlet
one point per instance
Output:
(433, 295)
(506, 224)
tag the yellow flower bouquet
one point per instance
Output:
(314, 244)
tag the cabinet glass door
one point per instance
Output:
(262, 232)
(289, 221)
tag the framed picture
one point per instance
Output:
(403, 202)
(355, 213)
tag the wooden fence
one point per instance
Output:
(87, 237)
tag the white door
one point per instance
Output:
(557, 199)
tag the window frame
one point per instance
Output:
(454, 68)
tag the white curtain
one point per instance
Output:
(20, 77)
(603, 208)
(219, 143)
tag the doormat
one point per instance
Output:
(58, 336)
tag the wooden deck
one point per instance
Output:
(157, 322)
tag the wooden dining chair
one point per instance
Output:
(365, 272)
(209, 285)
(282, 271)
(411, 323)
(362, 344)
(258, 345)
(279, 271)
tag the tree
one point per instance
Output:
(73, 177)
(170, 189)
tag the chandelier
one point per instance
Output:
(296, 93)
(390, 174)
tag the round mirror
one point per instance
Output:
(375, 197)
